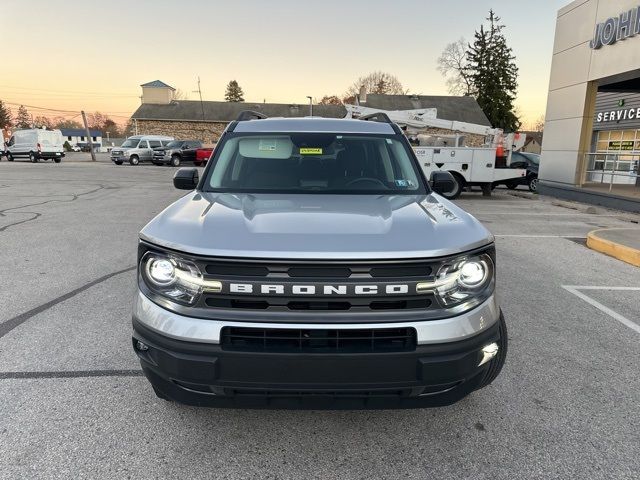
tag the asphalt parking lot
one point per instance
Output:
(73, 403)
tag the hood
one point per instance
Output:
(315, 226)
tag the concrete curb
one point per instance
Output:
(617, 250)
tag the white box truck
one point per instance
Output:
(36, 144)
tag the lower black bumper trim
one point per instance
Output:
(207, 375)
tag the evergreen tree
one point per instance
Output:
(494, 74)
(5, 116)
(23, 119)
(234, 92)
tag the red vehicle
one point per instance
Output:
(202, 156)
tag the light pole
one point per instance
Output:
(310, 105)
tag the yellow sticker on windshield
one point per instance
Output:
(310, 151)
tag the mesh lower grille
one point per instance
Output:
(318, 340)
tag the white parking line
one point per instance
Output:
(542, 214)
(577, 235)
(625, 321)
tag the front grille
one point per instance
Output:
(340, 277)
(316, 271)
(287, 303)
(295, 340)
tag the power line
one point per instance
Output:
(105, 94)
(68, 112)
(42, 108)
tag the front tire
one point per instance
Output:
(32, 157)
(118, 162)
(57, 160)
(496, 364)
(533, 185)
(511, 185)
(134, 160)
(175, 161)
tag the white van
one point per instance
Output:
(36, 144)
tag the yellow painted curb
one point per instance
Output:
(613, 249)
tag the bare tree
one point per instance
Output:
(96, 120)
(42, 121)
(538, 125)
(376, 82)
(180, 95)
(330, 100)
(453, 65)
(61, 122)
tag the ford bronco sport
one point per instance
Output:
(313, 266)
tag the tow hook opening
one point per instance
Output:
(488, 352)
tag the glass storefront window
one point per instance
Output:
(617, 150)
(628, 134)
(618, 141)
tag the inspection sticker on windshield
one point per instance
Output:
(267, 145)
(310, 151)
(404, 183)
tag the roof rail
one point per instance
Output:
(377, 117)
(250, 115)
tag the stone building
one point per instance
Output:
(161, 114)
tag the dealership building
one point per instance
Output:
(591, 146)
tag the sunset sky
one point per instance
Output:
(94, 55)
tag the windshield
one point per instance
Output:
(130, 143)
(314, 163)
(532, 157)
(174, 144)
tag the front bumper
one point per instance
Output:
(50, 155)
(195, 372)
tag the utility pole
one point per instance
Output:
(86, 129)
(199, 92)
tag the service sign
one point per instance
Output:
(627, 113)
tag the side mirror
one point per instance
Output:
(442, 182)
(186, 179)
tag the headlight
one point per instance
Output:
(161, 271)
(462, 280)
(473, 273)
(171, 277)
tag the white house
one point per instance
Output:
(78, 136)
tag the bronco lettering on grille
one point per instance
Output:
(350, 289)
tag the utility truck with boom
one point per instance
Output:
(482, 166)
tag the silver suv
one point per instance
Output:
(138, 148)
(314, 266)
